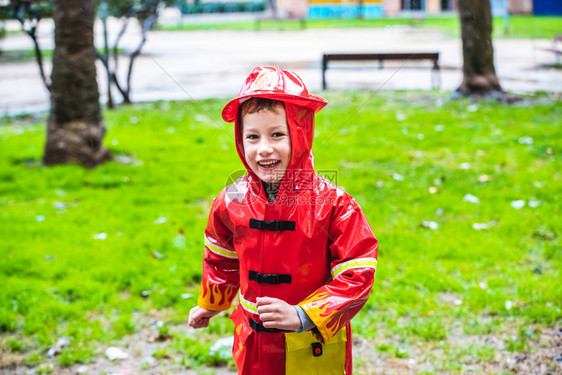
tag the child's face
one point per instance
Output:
(267, 144)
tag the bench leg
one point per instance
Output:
(435, 76)
(324, 68)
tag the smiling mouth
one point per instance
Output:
(269, 164)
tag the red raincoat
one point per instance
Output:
(312, 247)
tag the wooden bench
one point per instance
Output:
(380, 57)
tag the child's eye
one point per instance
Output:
(278, 134)
(251, 136)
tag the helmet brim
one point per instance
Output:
(313, 102)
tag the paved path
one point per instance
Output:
(202, 64)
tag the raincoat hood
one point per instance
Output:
(273, 82)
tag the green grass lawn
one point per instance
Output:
(92, 254)
(25, 55)
(519, 26)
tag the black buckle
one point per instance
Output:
(274, 225)
(271, 278)
(316, 349)
(258, 327)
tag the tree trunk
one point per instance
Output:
(479, 74)
(75, 128)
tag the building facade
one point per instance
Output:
(380, 8)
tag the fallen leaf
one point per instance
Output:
(223, 344)
(100, 236)
(433, 190)
(59, 205)
(430, 224)
(154, 323)
(60, 193)
(534, 203)
(148, 361)
(518, 204)
(145, 293)
(479, 226)
(471, 199)
(56, 349)
(114, 353)
(179, 241)
(484, 178)
(63, 341)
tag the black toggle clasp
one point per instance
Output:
(274, 225)
(316, 349)
(271, 278)
(258, 327)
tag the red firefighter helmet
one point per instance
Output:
(273, 82)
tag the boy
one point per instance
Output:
(297, 248)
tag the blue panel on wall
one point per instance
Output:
(547, 7)
(499, 7)
(343, 11)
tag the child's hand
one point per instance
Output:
(199, 317)
(276, 313)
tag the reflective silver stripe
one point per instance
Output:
(354, 263)
(220, 250)
(247, 305)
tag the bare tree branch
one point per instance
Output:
(147, 15)
(21, 10)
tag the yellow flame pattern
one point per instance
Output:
(327, 320)
(215, 296)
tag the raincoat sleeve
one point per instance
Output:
(221, 273)
(353, 251)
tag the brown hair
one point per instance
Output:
(255, 104)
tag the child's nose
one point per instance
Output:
(265, 148)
